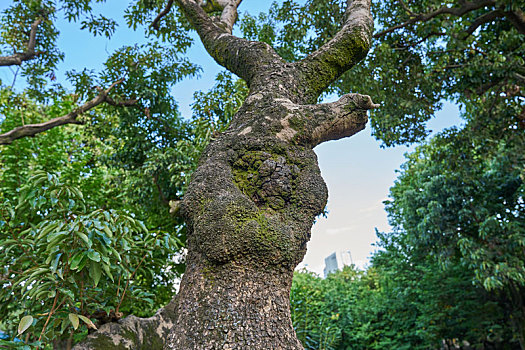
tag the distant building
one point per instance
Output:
(337, 261)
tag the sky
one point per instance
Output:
(358, 172)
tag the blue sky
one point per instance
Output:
(357, 171)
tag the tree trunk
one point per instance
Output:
(255, 194)
(249, 210)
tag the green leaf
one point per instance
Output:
(93, 255)
(24, 324)
(54, 235)
(107, 270)
(84, 238)
(108, 231)
(87, 321)
(95, 273)
(77, 258)
(74, 320)
(54, 264)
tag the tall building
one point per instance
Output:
(336, 261)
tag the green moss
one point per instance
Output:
(246, 175)
(243, 216)
(297, 123)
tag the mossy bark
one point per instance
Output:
(249, 209)
(256, 192)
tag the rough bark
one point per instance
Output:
(256, 192)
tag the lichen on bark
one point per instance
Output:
(257, 190)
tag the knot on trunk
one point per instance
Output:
(266, 179)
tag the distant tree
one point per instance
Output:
(462, 203)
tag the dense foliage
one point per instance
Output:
(82, 206)
(89, 226)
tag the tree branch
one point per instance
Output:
(466, 7)
(517, 18)
(242, 57)
(344, 50)
(17, 58)
(167, 9)
(312, 125)
(229, 12)
(485, 18)
(70, 118)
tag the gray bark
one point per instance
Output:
(253, 199)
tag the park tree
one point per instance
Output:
(459, 197)
(257, 189)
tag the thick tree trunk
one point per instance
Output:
(257, 190)
(249, 210)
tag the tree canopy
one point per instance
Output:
(93, 169)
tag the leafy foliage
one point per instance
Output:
(314, 323)
(396, 305)
(411, 70)
(67, 259)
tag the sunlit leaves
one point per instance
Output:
(74, 320)
(99, 25)
(69, 255)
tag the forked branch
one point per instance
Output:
(17, 58)
(242, 57)
(70, 118)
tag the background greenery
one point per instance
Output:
(89, 230)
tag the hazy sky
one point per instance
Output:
(357, 171)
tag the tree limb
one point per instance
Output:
(466, 7)
(312, 125)
(344, 50)
(30, 53)
(70, 118)
(485, 18)
(242, 57)
(167, 9)
(517, 18)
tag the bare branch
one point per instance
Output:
(242, 57)
(229, 12)
(30, 53)
(70, 118)
(343, 51)
(314, 124)
(466, 7)
(167, 9)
